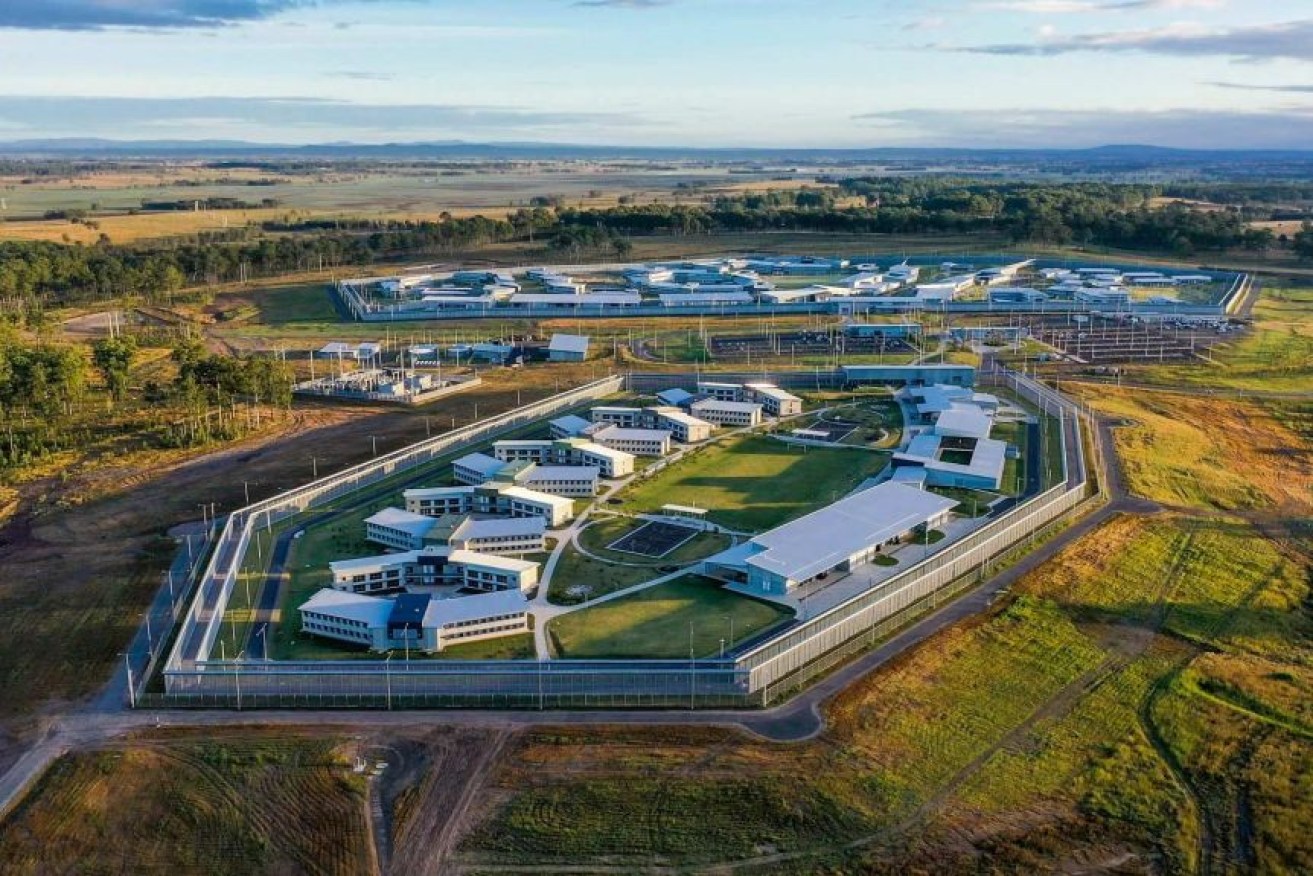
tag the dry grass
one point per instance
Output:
(1206, 452)
(143, 226)
(245, 804)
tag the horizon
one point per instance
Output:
(730, 74)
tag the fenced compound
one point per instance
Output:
(199, 626)
(782, 663)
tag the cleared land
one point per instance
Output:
(663, 622)
(242, 803)
(755, 482)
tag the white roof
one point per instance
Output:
(692, 299)
(716, 404)
(490, 561)
(436, 492)
(571, 423)
(677, 416)
(493, 527)
(569, 343)
(441, 612)
(616, 433)
(481, 462)
(773, 392)
(823, 539)
(532, 445)
(674, 395)
(616, 409)
(563, 473)
(360, 564)
(372, 611)
(606, 452)
(396, 518)
(528, 495)
(964, 421)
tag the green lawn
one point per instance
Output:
(600, 578)
(303, 303)
(655, 623)
(755, 483)
(577, 570)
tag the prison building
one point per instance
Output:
(910, 375)
(882, 329)
(492, 498)
(568, 451)
(775, 401)
(721, 391)
(834, 540)
(570, 426)
(476, 468)
(433, 566)
(727, 413)
(1016, 295)
(568, 348)
(638, 442)
(418, 622)
(492, 535)
(684, 428)
(560, 480)
(617, 416)
(398, 529)
(676, 397)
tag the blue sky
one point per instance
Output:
(770, 73)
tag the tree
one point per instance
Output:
(113, 359)
(1302, 242)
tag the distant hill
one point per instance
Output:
(1102, 155)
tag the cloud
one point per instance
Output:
(192, 117)
(1035, 128)
(934, 22)
(1293, 39)
(1059, 7)
(1281, 89)
(101, 14)
(622, 4)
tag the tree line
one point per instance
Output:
(34, 274)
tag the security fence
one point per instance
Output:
(200, 625)
(782, 662)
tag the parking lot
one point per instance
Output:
(744, 347)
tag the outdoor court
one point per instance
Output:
(653, 539)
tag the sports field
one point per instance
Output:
(663, 622)
(756, 482)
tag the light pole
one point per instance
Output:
(132, 691)
(387, 672)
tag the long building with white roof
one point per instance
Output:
(835, 539)
(418, 622)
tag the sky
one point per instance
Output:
(672, 73)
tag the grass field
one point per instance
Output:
(663, 622)
(579, 578)
(245, 803)
(1206, 452)
(754, 483)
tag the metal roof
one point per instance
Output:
(442, 612)
(821, 540)
(569, 343)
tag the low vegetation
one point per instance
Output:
(243, 803)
